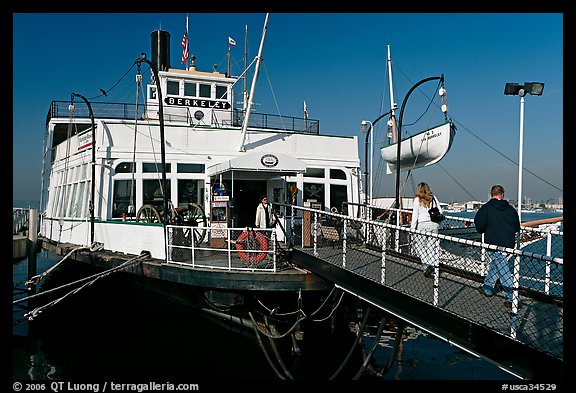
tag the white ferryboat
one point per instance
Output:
(179, 176)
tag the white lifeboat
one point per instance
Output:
(420, 150)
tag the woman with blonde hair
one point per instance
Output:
(425, 246)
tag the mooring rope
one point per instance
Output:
(331, 311)
(298, 320)
(394, 352)
(369, 356)
(353, 347)
(276, 353)
(213, 305)
(270, 311)
(256, 330)
(32, 314)
(36, 279)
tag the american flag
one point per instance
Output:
(185, 47)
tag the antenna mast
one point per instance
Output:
(258, 62)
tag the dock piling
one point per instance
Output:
(32, 246)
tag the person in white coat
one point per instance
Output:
(426, 246)
(264, 216)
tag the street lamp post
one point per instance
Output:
(533, 88)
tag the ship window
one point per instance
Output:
(73, 206)
(152, 92)
(190, 168)
(205, 90)
(152, 192)
(337, 174)
(173, 88)
(81, 196)
(314, 172)
(125, 167)
(221, 92)
(188, 192)
(189, 89)
(338, 195)
(122, 196)
(153, 167)
(313, 191)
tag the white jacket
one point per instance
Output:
(261, 216)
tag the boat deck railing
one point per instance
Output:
(393, 255)
(233, 249)
(20, 219)
(125, 111)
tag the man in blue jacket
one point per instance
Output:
(499, 222)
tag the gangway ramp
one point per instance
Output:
(525, 340)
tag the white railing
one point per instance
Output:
(215, 247)
(538, 268)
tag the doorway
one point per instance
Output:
(247, 195)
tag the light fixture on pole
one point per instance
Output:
(366, 128)
(535, 89)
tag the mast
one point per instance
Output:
(393, 106)
(244, 91)
(228, 65)
(257, 69)
(395, 138)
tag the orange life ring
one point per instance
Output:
(254, 239)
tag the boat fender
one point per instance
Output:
(250, 236)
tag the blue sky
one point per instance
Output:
(336, 62)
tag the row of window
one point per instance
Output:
(193, 89)
(70, 198)
(124, 194)
(153, 167)
(156, 167)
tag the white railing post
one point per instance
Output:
(344, 237)
(274, 237)
(229, 246)
(315, 233)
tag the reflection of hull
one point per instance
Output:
(423, 149)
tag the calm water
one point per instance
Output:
(113, 330)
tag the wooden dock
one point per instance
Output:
(19, 246)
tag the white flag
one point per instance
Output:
(231, 42)
(305, 110)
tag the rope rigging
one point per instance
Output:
(354, 344)
(398, 341)
(132, 205)
(105, 92)
(460, 125)
(254, 325)
(372, 350)
(36, 279)
(88, 281)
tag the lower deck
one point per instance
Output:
(286, 277)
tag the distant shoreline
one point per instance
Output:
(26, 204)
